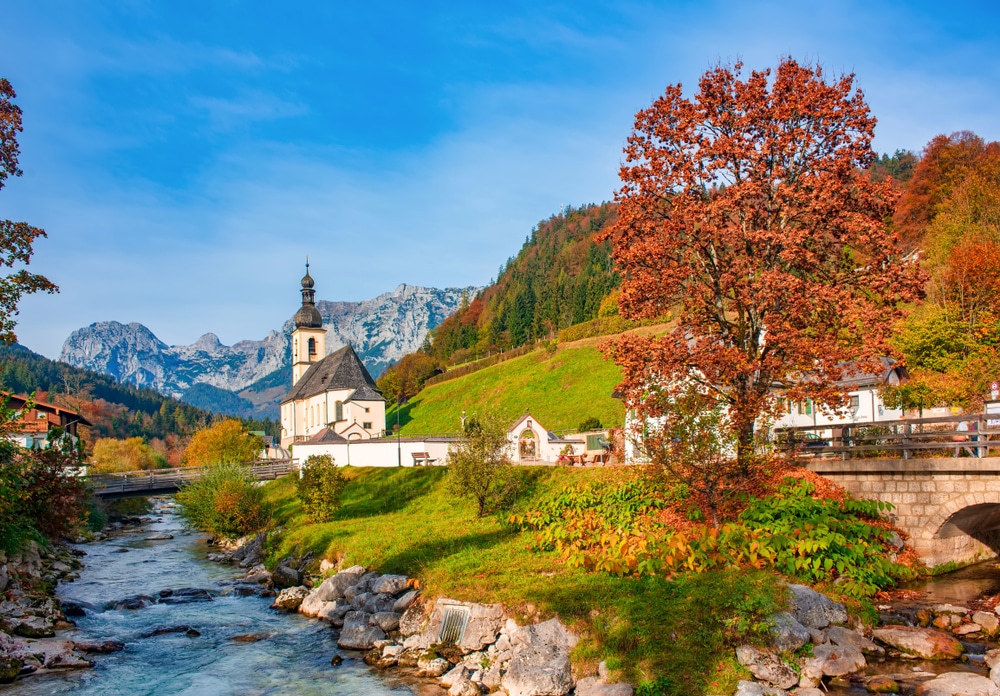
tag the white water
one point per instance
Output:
(293, 658)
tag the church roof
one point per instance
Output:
(342, 369)
(326, 435)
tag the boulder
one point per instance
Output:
(404, 602)
(34, 627)
(132, 603)
(163, 630)
(379, 603)
(838, 635)
(927, 643)
(540, 662)
(312, 604)
(454, 676)
(987, 621)
(58, 654)
(483, 626)
(593, 686)
(108, 645)
(815, 610)
(334, 612)
(430, 665)
(386, 620)
(950, 609)
(159, 537)
(184, 595)
(283, 576)
(767, 667)
(958, 684)
(360, 600)
(390, 584)
(882, 684)
(357, 634)
(787, 634)
(835, 660)
(290, 599)
(966, 629)
(749, 688)
(992, 658)
(334, 586)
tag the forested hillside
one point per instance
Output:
(560, 278)
(116, 410)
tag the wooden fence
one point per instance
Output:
(972, 434)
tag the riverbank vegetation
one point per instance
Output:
(225, 502)
(594, 547)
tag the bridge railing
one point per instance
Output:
(159, 479)
(974, 434)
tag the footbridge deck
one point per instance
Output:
(139, 483)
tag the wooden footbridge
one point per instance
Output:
(141, 483)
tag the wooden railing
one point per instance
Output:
(914, 437)
(174, 479)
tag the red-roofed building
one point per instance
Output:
(34, 424)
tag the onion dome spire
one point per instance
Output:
(308, 316)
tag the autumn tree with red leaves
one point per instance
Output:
(16, 238)
(747, 210)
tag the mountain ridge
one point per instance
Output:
(381, 329)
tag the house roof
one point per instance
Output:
(341, 369)
(18, 401)
(326, 435)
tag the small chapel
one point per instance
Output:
(333, 397)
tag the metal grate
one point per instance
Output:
(453, 625)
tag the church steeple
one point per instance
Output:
(309, 336)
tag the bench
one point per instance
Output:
(422, 459)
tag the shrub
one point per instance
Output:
(112, 455)
(225, 502)
(591, 423)
(225, 442)
(319, 487)
(478, 467)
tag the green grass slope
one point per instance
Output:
(560, 389)
(677, 633)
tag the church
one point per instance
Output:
(333, 397)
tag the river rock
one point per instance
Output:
(10, 667)
(132, 603)
(882, 684)
(386, 620)
(75, 608)
(108, 645)
(767, 667)
(33, 627)
(357, 634)
(927, 643)
(430, 665)
(159, 537)
(390, 584)
(540, 663)
(966, 629)
(459, 673)
(992, 658)
(839, 635)
(162, 630)
(988, 621)
(290, 599)
(950, 609)
(313, 605)
(593, 686)
(787, 634)
(835, 660)
(185, 595)
(334, 612)
(334, 587)
(815, 610)
(360, 600)
(283, 576)
(379, 603)
(59, 654)
(749, 688)
(404, 601)
(412, 620)
(958, 684)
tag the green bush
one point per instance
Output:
(225, 502)
(478, 466)
(319, 487)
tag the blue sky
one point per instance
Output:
(184, 157)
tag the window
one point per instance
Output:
(809, 407)
(855, 403)
(366, 426)
(40, 415)
(312, 347)
(338, 410)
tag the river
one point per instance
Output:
(292, 657)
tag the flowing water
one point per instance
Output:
(291, 657)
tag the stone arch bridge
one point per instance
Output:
(949, 506)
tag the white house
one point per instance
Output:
(335, 392)
(530, 443)
(866, 404)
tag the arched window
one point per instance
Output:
(312, 348)
(527, 446)
(338, 410)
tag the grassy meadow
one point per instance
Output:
(560, 388)
(671, 635)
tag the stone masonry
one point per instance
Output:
(950, 507)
